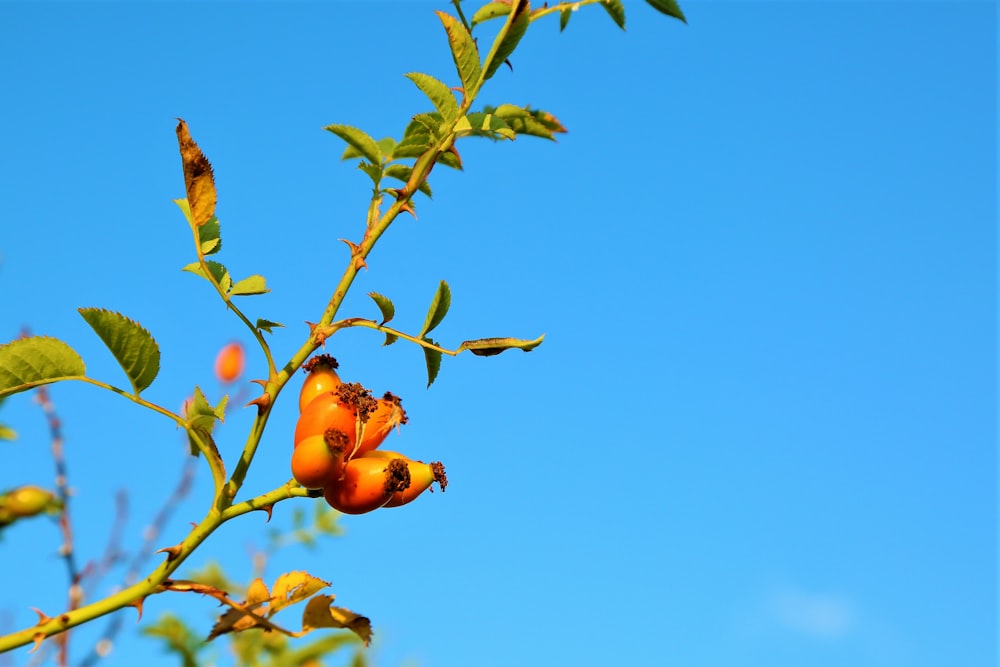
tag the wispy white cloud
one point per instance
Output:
(823, 616)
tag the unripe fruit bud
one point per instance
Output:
(230, 363)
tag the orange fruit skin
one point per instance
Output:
(363, 487)
(314, 462)
(421, 477)
(325, 412)
(320, 381)
(380, 423)
(230, 362)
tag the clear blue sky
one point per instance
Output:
(761, 430)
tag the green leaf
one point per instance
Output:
(374, 171)
(517, 25)
(386, 144)
(358, 139)
(402, 173)
(209, 237)
(490, 11)
(267, 325)
(7, 433)
(564, 17)
(487, 125)
(179, 638)
(668, 7)
(487, 347)
(217, 271)
(616, 10)
(438, 309)
(26, 363)
(528, 121)
(201, 418)
(390, 339)
(433, 359)
(440, 95)
(132, 346)
(384, 305)
(463, 51)
(255, 284)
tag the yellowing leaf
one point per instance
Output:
(320, 614)
(258, 593)
(199, 182)
(294, 587)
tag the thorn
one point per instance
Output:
(138, 607)
(262, 402)
(42, 617)
(355, 248)
(407, 208)
(172, 552)
(454, 151)
(269, 509)
(262, 383)
(38, 638)
(400, 193)
(507, 63)
(360, 262)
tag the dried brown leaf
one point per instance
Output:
(199, 181)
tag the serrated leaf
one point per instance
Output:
(132, 346)
(490, 11)
(386, 144)
(294, 587)
(217, 271)
(527, 121)
(384, 305)
(267, 325)
(513, 31)
(257, 593)
(433, 360)
(255, 284)
(210, 237)
(487, 347)
(564, 17)
(373, 171)
(668, 7)
(361, 141)
(487, 125)
(450, 160)
(438, 93)
(616, 10)
(201, 418)
(438, 308)
(401, 172)
(320, 614)
(199, 181)
(463, 50)
(390, 339)
(26, 363)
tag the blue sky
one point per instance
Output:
(761, 430)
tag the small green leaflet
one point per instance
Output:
(616, 10)
(217, 271)
(564, 17)
(668, 7)
(201, 418)
(511, 34)
(210, 237)
(433, 359)
(463, 51)
(489, 11)
(438, 309)
(26, 363)
(487, 347)
(267, 325)
(384, 305)
(361, 142)
(440, 95)
(249, 286)
(132, 346)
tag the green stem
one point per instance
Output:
(135, 594)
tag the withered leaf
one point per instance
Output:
(199, 182)
(320, 614)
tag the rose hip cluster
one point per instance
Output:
(340, 427)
